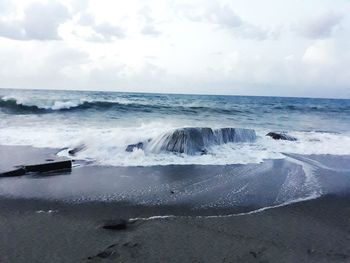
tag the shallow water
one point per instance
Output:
(197, 189)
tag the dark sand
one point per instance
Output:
(39, 222)
(311, 231)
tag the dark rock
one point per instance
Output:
(48, 167)
(118, 224)
(204, 152)
(195, 140)
(105, 254)
(77, 149)
(281, 136)
(131, 147)
(187, 140)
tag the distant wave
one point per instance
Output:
(25, 105)
(16, 106)
(11, 105)
(311, 108)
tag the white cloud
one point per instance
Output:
(5, 6)
(40, 22)
(318, 54)
(99, 32)
(207, 46)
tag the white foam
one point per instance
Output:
(226, 216)
(106, 145)
(47, 104)
(46, 212)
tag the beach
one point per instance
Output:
(311, 231)
(127, 177)
(179, 219)
(173, 131)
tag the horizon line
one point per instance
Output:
(174, 93)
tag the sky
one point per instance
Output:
(270, 48)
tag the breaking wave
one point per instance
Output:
(12, 105)
(25, 105)
(16, 106)
(107, 145)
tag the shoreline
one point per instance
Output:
(232, 213)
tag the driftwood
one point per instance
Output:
(39, 168)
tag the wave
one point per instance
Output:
(17, 106)
(106, 145)
(43, 105)
(311, 108)
(13, 105)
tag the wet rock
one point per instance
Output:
(196, 140)
(117, 224)
(77, 149)
(188, 140)
(131, 147)
(281, 136)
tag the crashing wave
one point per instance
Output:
(15, 105)
(18, 105)
(194, 140)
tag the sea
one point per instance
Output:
(102, 125)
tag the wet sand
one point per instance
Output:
(310, 231)
(58, 217)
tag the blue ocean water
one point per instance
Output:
(106, 122)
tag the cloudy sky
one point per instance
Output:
(244, 47)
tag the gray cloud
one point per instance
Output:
(40, 22)
(225, 18)
(103, 32)
(108, 31)
(149, 28)
(151, 31)
(320, 26)
(145, 13)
